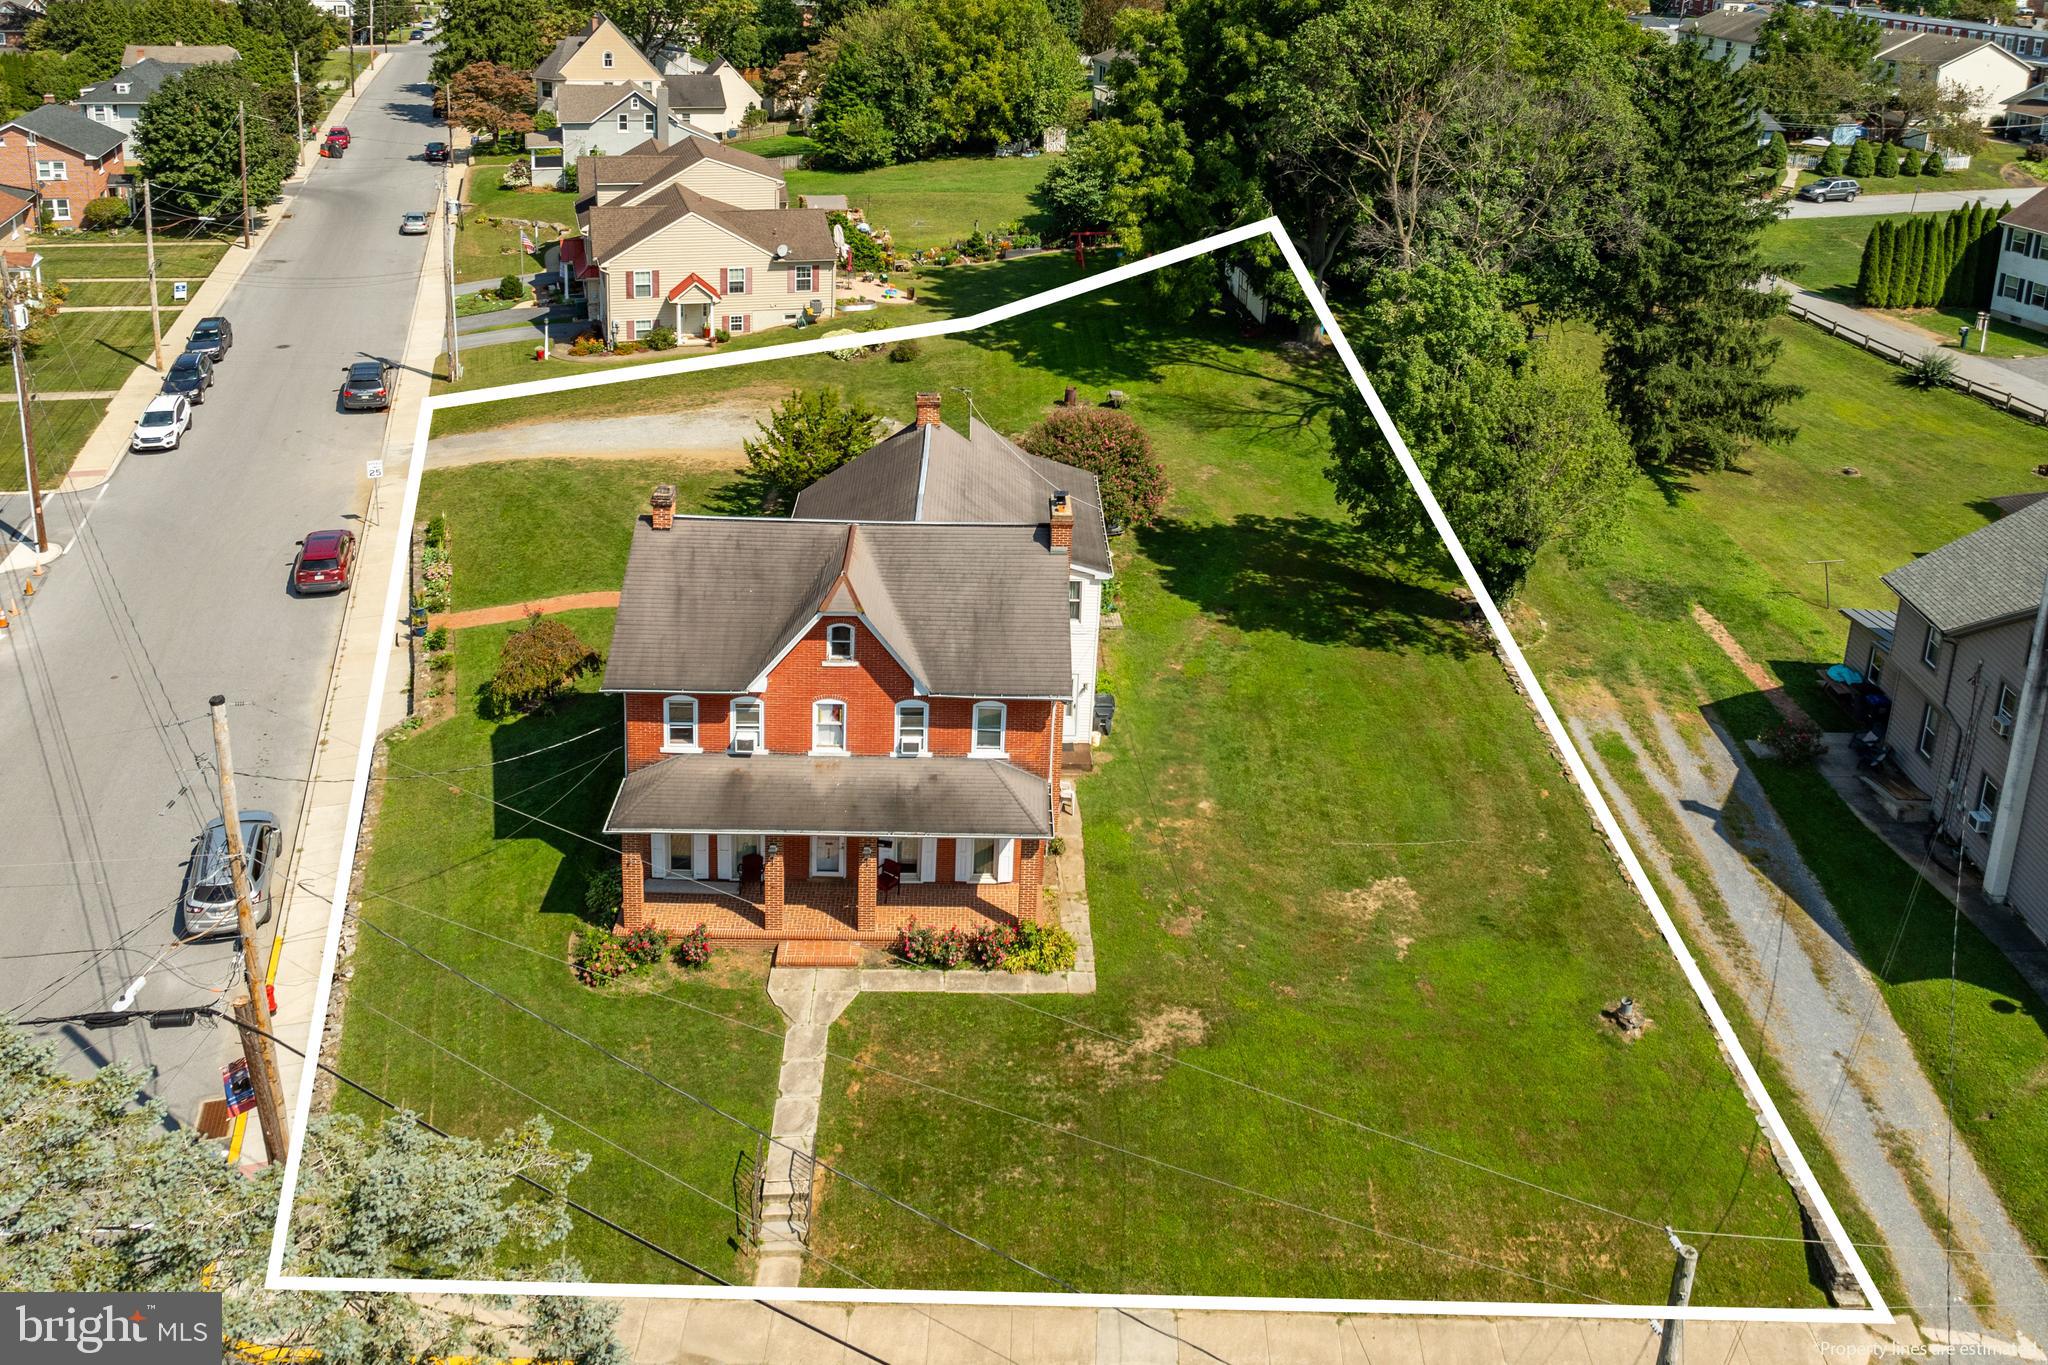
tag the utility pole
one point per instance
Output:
(254, 1010)
(298, 98)
(448, 245)
(351, 52)
(242, 137)
(156, 322)
(1671, 1351)
(17, 319)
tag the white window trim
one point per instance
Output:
(1930, 646)
(1930, 733)
(60, 210)
(845, 719)
(733, 729)
(1005, 862)
(806, 279)
(625, 120)
(52, 170)
(927, 858)
(668, 740)
(735, 280)
(832, 660)
(608, 61)
(924, 749)
(974, 744)
(818, 841)
(2001, 711)
(1987, 795)
(661, 857)
(633, 284)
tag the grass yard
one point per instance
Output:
(89, 351)
(778, 144)
(1327, 851)
(61, 429)
(117, 293)
(71, 261)
(935, 203)
(446, 851)
(490, 251)
(1738, 544)
(1996, 167)
(481, 189)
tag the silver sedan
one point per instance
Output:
(413, 225)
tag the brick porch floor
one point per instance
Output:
(824, 909)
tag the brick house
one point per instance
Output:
(697, 238)
(62, 156)
(1954, 659)
(836, 727)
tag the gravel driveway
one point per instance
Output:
(707, 437)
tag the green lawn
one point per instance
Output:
(1997, 166)
(1327, 851)
(482, 189)
(444, 849)
(1739, 543)
(93, 350)
(61, 430)
(490, 251)
(189, 261)
(780, 144)
(93, 293)
(935, 203)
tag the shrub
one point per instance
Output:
(585, 346)
(437, 529)
(721, 336)
(437, 639)
(567, 179)
(1909, 161)
(1831, 161)
(904, 351)
(603, 893)
(2034, 151)
(629, 348)
(662, 339)
(922, 946)
(517, 176)
(536, 665)
(987, 947)
(511, 287)
(1795, 742)
(1036, 947)
(1776, 152)
(693, 950)
(1862, 162)
(1114, 448)
(1932, 164)
(855, 139)
(644, 946)
(1933, 370)
(104, 214)
(807, 437)
(599, 957)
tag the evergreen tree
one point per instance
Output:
(1861, 162)
(1933, 267)
(1909, 162)
(1906, 280)
(1866, 270)
(1885, 264)
(1932, 164)
(1689, 352)
(1887, 160)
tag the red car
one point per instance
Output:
(326, 562)
(339, 136)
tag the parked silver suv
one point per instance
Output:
(208, 906)
(1840, 187)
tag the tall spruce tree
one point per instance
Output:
(1866, 269)
(1861, 163)
(1906, 280)
(1931, 267)
(1887, 239)
(1689, 352)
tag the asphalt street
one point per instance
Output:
(1926, 201)
(175, 586)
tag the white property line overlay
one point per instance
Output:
(276, 1278)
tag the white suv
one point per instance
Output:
(163, 423)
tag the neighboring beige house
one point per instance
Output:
(712, 101)
(607, 96)
(696, 238)
(596, 54)
(1964, 733)
(2020, 291)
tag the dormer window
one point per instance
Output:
(679, 725)
(746, 725)
(913, 724)
(990, 718)
(839, 643)
(828, 727)
(607, 61)
(120, 87)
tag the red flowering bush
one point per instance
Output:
(694, 948)
(988, 946)
(644, 946)
(600, 958)
(1114, 448)
(922, 946)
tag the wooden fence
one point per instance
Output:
(2000, 398)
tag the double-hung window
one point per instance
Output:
(1073, 599)
(1930, 730)
(60, 210)
(52, 170)
(828, 727)
(913, 722)
(803, 279)
(2011, 287)
(679, 725)
(1987, 797)
(1930, 646)
(746, 725)
(989, 719)
(735, 279)
(625, 121)
(839, 643)
(2008, 707)
(643, 284)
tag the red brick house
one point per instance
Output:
(56, 152)
(834, 727)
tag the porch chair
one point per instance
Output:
(750, 871)
(891, 877)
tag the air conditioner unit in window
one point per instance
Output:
(2001, 725)
(1980, 821)
(743, 746)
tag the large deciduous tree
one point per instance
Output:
(186, 141)
(1814, 65)
(491, 100)
(1514, 439)
(1689, 352)
(514, 33)
(810, 434)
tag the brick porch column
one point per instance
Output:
(1030, 879)
(864, 916)
(773, 869)
(632, 882)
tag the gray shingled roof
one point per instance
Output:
(2031, 213)
(67, 127)
(699, 90)
(797, 794)
(971, 611)
(935, 474)
(1738, 26)
(585, 104)
(550, 68)
(621, 225)
(143, 79)
(1934, 49)
(1989, 576)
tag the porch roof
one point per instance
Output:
(860, 794)
(1878, 623)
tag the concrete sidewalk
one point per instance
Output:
(104, 450)
(1978, 369)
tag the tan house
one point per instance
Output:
(596, 54)
(696, 238)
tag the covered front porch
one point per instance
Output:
(973, 854)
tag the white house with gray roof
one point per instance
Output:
(117, 101)
(1955, 657)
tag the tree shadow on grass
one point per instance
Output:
(1310, 577)
(558, 795)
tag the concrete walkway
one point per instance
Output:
(1821, 1014)
(810, 1000)
(519, 611)
(1978, 369)
(1927, 201)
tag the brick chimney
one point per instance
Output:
(661, 507)
(1060, 521)
(927, 409)
(49, 99)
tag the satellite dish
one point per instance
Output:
(781, 250)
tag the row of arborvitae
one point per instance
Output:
(1869, 159)
(1930, 259)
